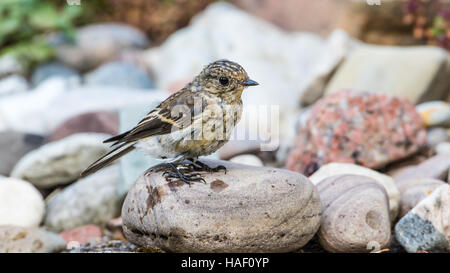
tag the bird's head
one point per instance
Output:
(223, 77)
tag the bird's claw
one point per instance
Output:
(200, 166)
(187, 178)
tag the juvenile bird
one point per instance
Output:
(195, 121)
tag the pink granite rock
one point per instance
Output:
(82, 234)
(98, 122)
(360, 128)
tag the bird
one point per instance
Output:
(195, 121)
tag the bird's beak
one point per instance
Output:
(249, 82)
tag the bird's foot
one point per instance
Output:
(200, 166)
(187, 178)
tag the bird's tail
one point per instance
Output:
(109, 158)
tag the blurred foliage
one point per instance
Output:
(157, 18)
(25, 23)
(430, 20)
(400, 22)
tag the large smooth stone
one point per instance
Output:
(355, 214)
(415, 190)
(427, 226)
(62, 161)
(13, 146)
(91, 200)
(21, 204)
(248, 209)
(386, 181)
(15, 239)
(381, 69)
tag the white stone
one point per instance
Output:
(418, 73)
(12, 85)
(10, 65)
(24, 112)
(248, 159)
(61, 161)
(434, 113)
(443, 148)
(55, 100)
(21, 204)
(386, 181)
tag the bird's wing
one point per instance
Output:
(176, 112)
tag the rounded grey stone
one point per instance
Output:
(91, 200)
(248, 209)
(14, 239)
(120, 74)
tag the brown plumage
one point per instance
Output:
(195, 121)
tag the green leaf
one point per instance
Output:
(44, 17)
(9, 26)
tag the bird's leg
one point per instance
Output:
(200, 166)
(188, 178)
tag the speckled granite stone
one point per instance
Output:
(360, 128)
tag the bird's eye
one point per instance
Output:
(223, 80)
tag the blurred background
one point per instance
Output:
(74, 72)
